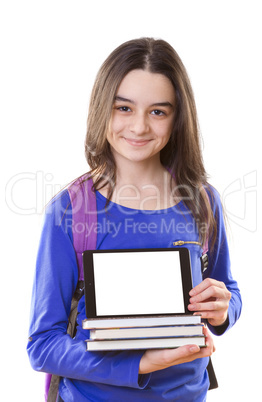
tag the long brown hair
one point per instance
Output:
(182, 155)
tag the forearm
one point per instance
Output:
(57, 353)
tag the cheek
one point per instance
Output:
(112, 130)
(165, 133)
(116, 126)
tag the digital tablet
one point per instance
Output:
(137, 282)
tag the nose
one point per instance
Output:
(139, 124)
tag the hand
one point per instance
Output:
(159, 359)
(210, 299)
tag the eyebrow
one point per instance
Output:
(121, 99)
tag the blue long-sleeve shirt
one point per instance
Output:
(113, 376)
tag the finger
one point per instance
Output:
(182, 352)
(188, 352)
(214, 317)
(211, 291)
(209, 340)
(213, 306)
(206, 283)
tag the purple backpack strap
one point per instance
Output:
(204, 257)
(205, 247)
(84, 218)
(84, 222)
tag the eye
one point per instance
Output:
(123, 108)
(158, 112)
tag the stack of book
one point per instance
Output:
(144, 332)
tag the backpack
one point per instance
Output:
(84, 215)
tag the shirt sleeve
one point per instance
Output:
(50, 348)
(219, 268)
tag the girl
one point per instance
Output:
(142, 146)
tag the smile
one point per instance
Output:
(136, 143)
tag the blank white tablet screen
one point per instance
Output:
(133, 283)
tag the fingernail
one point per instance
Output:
(194, 349)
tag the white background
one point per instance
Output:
(50, 52)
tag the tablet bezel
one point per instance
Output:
(88, 267)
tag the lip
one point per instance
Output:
(137, 143)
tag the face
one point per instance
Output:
(142, 117)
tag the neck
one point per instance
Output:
(142, 185)
(139, 173)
